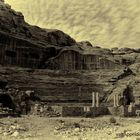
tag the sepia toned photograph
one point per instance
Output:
(69, 69)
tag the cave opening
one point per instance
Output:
(9, 53)
(34, 55)
(6, 101)
(3, 84)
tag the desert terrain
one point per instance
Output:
(69, 128)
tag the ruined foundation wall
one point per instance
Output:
(83, 111)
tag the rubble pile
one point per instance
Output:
(79, 131)
(11, 130)
(15, 101)
(5, 110)
(51, 113)
(44, 111)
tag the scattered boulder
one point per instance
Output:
(112, 120)
(15, 134)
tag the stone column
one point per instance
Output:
(117, 100)
(97, 99)
(93, 99)
(114, 100)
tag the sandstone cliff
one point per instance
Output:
(31, 46)
(27, 45)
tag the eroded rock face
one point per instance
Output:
(126, 56)
(25, 45)
(30, 46)
(13, 23)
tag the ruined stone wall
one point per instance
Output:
(84, 111)
(122, 111)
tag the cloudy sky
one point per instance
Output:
(106, 23)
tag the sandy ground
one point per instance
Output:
(41, 128)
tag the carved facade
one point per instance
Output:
(73, 60)
(19, 52)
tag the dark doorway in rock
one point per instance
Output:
(34, 55)
(7, 101)
(3, 84)
(10, 53)
(128, 95)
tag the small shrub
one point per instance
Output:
(76, 125)
(120, 135)
(112, 120)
